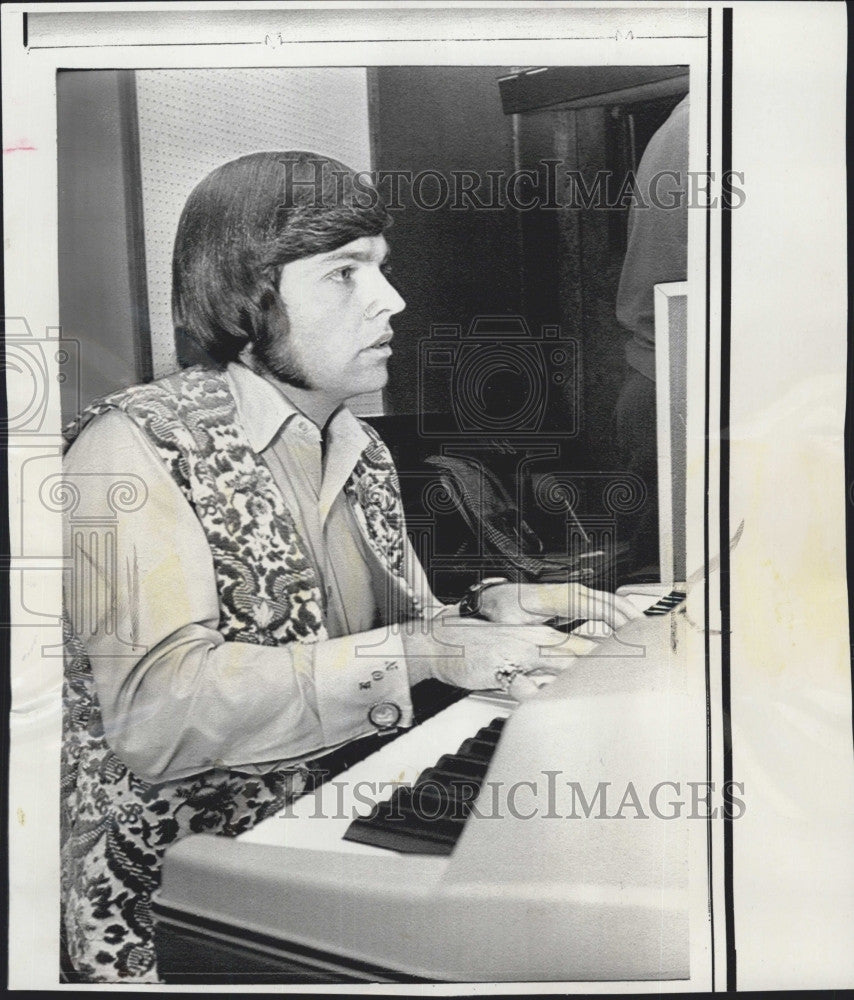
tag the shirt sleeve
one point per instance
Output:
(418, 583)
(177, 698)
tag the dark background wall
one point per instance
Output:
(552, 266)
(450, 265)
(557, 268)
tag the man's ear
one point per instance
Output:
(268, 296)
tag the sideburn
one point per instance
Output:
(272, 347)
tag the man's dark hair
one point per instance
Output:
(242, 224)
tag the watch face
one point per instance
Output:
(385, 715)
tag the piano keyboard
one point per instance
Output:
(298, 896)
(377, 807)
(319, 820)
(429, 816)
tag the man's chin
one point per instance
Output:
(367, 386)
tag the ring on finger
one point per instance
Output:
(505, 676)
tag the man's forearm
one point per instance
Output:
(197, 702)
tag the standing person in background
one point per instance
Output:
(657, 251)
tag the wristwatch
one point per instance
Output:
(470, 606)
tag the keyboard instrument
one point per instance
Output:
(428, 816)
(509, 864)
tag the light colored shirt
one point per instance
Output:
(312, 486)
(176, 698)
(657, 248)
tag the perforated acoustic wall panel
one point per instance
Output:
(190, 121)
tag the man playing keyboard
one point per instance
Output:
(256, 586)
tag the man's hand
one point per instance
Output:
(469, 652)
(534, 603)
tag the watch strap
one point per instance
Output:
(470, 605)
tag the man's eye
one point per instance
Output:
(343, 273)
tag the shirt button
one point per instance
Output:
(384, 715)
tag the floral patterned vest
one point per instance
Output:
(115, 827)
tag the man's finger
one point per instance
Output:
(627, 608)
(610, 608)
(522, 687)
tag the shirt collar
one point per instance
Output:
(263, 410)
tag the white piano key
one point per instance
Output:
(319, 820)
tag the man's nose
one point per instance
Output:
(383, 297)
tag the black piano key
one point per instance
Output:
(424, 806)
(477, 749)
(488, 734)
(565, 624)
(455, 782)
(461, 767)
(391, 835)
(429, 817)
(409, 828)
(492, 731)
(441, 798)
(666, 604)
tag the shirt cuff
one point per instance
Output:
(361, 684)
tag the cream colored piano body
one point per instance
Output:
(527, 895)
